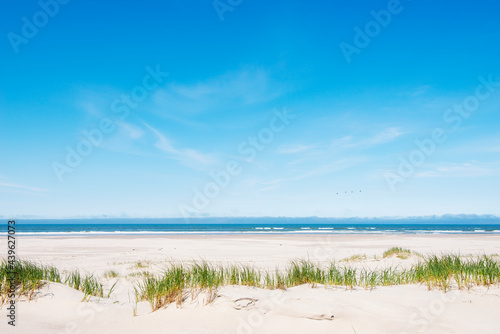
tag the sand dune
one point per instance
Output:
(236, 309)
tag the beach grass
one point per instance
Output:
(140, 274)
(141, 264)
(177, 281)
(355, 257)
(440, 272)
(398, 252)
(110, 274)
(27, 277)
(165, 290)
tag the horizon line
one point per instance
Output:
(427, 217)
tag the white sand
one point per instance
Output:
(399, 309)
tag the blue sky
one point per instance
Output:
(174, 91)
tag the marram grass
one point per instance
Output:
(441, 272)
(177, 282)
(398, 252)
(28, 277)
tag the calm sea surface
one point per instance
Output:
(136, 226)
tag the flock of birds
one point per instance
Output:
(352, 192)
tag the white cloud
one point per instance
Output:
(385, 136)
(269, 188)
(291, 149)
(324, 169)
(420, 90)
(129, 130)
(22, 187)
(464, 169)
(187, 156)
(234, 90)
(331, 167)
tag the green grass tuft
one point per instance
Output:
(29, 277)
(355, 258)
(398, 252)
(177, 281)
(433, 271)
(111, 274)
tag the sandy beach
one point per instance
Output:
(237, 309)
(249, 167)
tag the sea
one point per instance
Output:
(263, 225)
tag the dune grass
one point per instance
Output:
(355, 257)
(108, 274)
(168, 289)
(398, 252)
(28, 277)
(441, 272)
(141, 264)
(140, 274)
(177, 282)
(88, 284)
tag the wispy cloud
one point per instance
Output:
(464, 169)
(238, 89)
(331, 167)
(17, 186)
(385, 136)
(130, 130)
(186, 156)
(321, 170)
(420, 90)
(291, 149)
(269, 188)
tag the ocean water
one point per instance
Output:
(207, 226)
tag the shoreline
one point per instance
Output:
(253, 234)
(262, 250)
